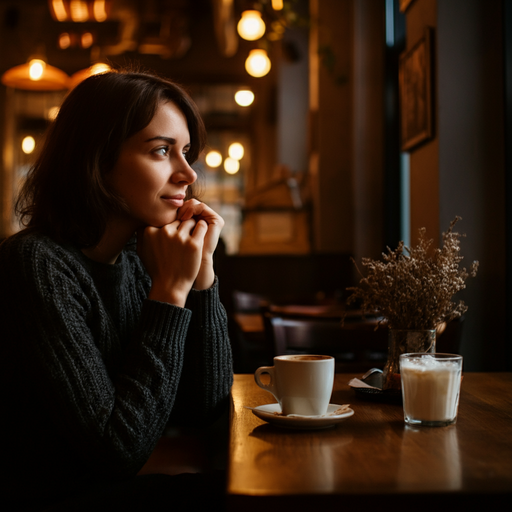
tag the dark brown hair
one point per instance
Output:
(65, 194)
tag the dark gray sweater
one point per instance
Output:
(91, 369)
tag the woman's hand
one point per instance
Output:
(173, 256)
(193, 209)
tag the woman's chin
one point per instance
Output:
(161, 222)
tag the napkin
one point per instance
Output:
(358, 383)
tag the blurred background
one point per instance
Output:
(307, 159)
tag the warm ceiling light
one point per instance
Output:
(213, 159)
(99, 67)
(231, 166)
(53, 113)
(29, 77)
(58, 10)
(95, 69)
(244, 98)
(251, 26)
(79, 11)
(87, 39)
(236, 151)
(100, 10)
(28, 145)
(36, 69)
(64, 40)
(258, 63)
(277, 5)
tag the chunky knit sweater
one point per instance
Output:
(91, 370)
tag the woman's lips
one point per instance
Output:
(176, 200)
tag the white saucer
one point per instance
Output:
(267, 413)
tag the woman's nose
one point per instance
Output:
(184, 174)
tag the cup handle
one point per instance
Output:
(267, 387)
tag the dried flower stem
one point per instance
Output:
(413, 289)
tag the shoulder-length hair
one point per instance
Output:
(65, 194)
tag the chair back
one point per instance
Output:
(355, 348)
(245, 302)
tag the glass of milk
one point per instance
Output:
(430, 388)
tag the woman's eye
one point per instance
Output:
(162, 151)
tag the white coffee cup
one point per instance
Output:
(302, 384)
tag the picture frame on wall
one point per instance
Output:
(415, 78)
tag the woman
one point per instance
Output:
(103, 342)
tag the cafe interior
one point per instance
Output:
(339, 129)
(319, 166)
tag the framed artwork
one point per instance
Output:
(415, 77)
(404, 4)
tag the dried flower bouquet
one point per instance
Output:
(413, 287)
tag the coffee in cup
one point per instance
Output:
(302, 384)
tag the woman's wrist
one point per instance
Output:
(206, 276)
(169, 295)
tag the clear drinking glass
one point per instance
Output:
(430, 388)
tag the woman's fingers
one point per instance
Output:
(180, 255)
(200, 229)
(195, 209)
(172, 256)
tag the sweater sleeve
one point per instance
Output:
(208, 369)
(111, 411)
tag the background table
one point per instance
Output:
(373, 458)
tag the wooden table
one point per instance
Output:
(373, 458)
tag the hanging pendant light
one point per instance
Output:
(236, 151)
(251, 26)
(257, 64)
(36, 75)
(231, 166)
(95, 69)
(244, 97)
(80, 11)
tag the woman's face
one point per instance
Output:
(152, 174)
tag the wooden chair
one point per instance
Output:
(250, 346)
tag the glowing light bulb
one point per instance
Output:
(28, 144)
(59, 10)
(231, 166)
(236, 151)
(100, 67)
(64, 41)
(87, 40)
(251, 26)
(36, 69)
(213, 159)
(277, 5)
(53, 112)
(79, 11)
(244, 98)
(258, 63)
(100, 11)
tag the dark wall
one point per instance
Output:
(471, 136)
(286, 279)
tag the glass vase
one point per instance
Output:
(402, 342)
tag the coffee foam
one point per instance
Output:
(308, 358)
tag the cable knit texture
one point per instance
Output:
(91, 369)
